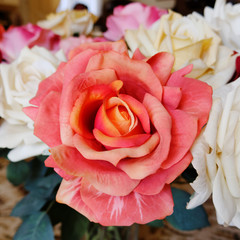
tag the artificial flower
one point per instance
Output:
(68, 44)
(69, 22)
(119, 130)
(16, 38)
(18, 84)
(224, 18)
(216, 157)
(191, 41)
(130, 17)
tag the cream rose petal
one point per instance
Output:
(26, 151)
(18, 84)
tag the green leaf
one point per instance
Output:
(18, 172)
(46, 185)
(184, 219)
(74, 226)
(38, 170)
(33, 202)
(156, 223)
(4, 152)
(35, 227)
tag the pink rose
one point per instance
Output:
(120, 130)
(130, 17)
(68, 44)
(15, 38)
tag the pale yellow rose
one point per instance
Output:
(216, 157)
(191, 41)
(18, 84)
(68, 22)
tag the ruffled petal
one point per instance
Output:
(91, 150)
(73, 91)
(120, 142)
(47, 126)
(69, 193)
(139, 168)
(184, 132)
(137, 76)
(102, 175)
(118, 46)
(162, 64)
(196, 95)
(124, 211)
(171, 97)
(154, 183)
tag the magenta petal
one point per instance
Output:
(124, 211)
(154, 183)
(47, 121)
(102, 175)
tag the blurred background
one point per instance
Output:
(18, 12)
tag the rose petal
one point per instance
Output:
(184, 132)
(118, 46)
(171, 96)
(102, 175)
(138, 109)
(196, 95)
(114, 210)
(137, 55)
(86, 107)
(142, 167)
(23, 151)
(90, 150)
(137, 76)
(49, 162)
(162, 64)
(154, 183)
(120, 142)
(77, 86)
(52, 83)
(68, 193)
(47, 120)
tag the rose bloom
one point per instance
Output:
(216, 157)
(224, 18)
(191, 41)
(130, 17)
(18, 84)
(15, 38)
(120, 130)
(68, 44)
(68, 22)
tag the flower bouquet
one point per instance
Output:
(101, 132)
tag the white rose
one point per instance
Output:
(191, 40)
(18, 84)
(68, 22)
(225, 20)
(216, 157)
